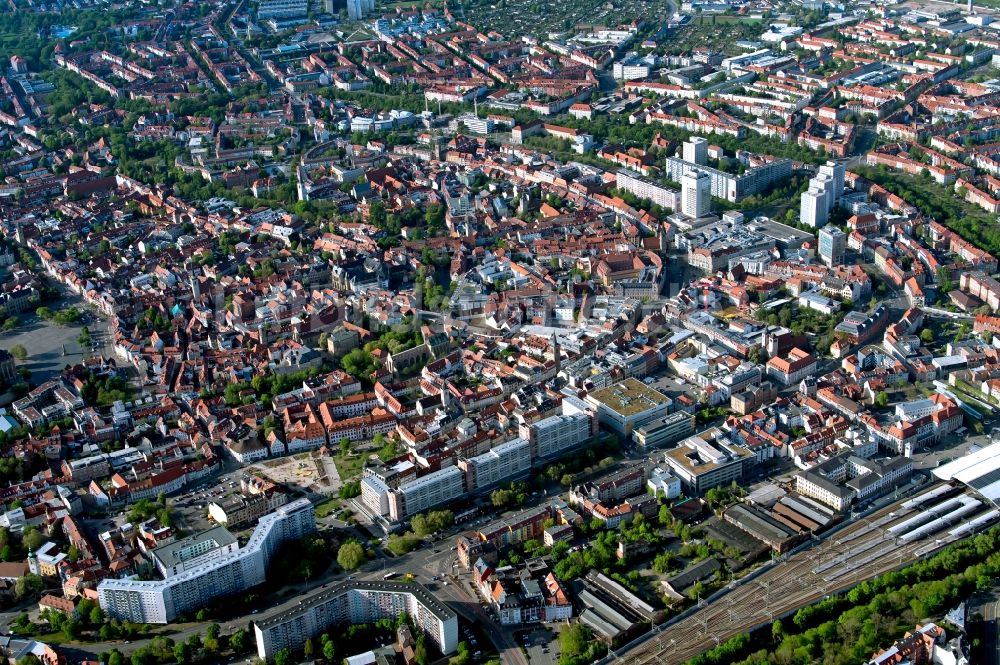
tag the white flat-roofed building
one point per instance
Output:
(733, 187)
(282, 8)
(375, 495)
(356, 602)
(162, 601)
(644, 188)
(696, 194)
(662, 481)
(551, 436)
(426, 492)
(695, 150)
(664, 431)
(812, 208)
(916, 409)
(194, 551)
(627, 405)
(501, 463)
(707, 460)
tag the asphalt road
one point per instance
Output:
(991, 635)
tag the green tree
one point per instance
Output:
(307, 649)
(420, 651)
(881, 399)
(283, 657)
(350, 489)
(182, 652)
(359, 363)
(71, 629)
(28, 585)
(19, 352)
(351, 555)
(329, 651)
(945, 284)
(462, 656)
(401, 544)
(239, 641)
(575, 640)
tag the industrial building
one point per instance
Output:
(614, 613)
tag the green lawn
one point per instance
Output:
(326, 508)
(349, 467)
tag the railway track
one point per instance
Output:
(859, 552)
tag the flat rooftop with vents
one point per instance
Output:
(627, 405)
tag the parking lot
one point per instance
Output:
(542, 645)
(671, 386)
(190, 507)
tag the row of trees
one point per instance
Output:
(939, 203)
(209, 648)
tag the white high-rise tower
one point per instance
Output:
(696, 194)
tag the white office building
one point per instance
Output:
(825, 184)
(696, 151)
(475, 124)
(358, 9)
(832, 245)
(625, 406)
(501, 463)
(426, 492)
(356, 602)
(375, 495)
(696, 194)
(730, 186)
(812, 209)
(269, 9)
(836, 172)
(644, 188)
(663, 481)
(190, 589)
(552, 436)
(824, 193)
(194, 551)
(630, 71)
